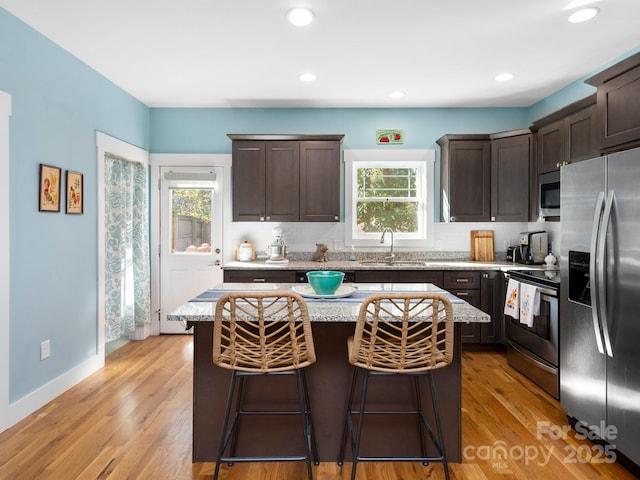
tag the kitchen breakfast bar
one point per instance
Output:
(333, 321)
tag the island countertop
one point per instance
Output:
(327, 310)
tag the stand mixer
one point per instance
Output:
(277, 251)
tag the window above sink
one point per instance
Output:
(389, 189)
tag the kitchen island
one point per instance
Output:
(329, 378)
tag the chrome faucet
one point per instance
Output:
(391, 255)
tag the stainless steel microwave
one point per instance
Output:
(549, 194)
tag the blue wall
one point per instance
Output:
(58, 103)
(203, 130)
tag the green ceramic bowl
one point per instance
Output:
(325, 282)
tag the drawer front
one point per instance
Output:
(461, 280)
(259, 276)
(376, 276)
(421, 276)
(472, 297)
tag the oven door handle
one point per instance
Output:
(593, 272)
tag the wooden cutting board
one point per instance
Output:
(482, 248)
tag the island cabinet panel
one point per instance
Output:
(329, 379)
(286, 178)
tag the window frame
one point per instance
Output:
(424, 160)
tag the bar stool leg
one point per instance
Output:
(420, 422)
(434, 400)
(356, 447)
(234, 435)
(306, 422)
(314, 444)
(226, 431)
(346, 430)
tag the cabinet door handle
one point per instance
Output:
(268, 217)
(453, 219)
(262, 219)
(493, 219)
(462, 294)
(259, 280)
(336, 217)
(462, 280)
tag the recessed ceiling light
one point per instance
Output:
(300, 17)
(504, 77)
(584, 15)
(307, 77)
(397, 94)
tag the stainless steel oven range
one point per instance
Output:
(534, 350)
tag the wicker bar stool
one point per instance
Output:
(399, 334)
(263, 333)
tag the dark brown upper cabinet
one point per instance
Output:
(510, 174)
(485, 177)
(319, 181)
(618, 111)
(286, 178)
(465, 178)
(567, 135)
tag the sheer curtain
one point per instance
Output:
(127, 279)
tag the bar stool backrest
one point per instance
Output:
(262, 332)
(403, 333)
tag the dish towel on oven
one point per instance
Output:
(512, 302)
(529, 303)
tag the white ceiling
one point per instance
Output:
(244, 53)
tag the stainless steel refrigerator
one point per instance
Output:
(600, 297)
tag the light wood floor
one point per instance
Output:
(132, 420)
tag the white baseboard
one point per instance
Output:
(140, 332)
(28, 404)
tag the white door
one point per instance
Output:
(191, 237)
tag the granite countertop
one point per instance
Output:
(346, 265)
(325, 310)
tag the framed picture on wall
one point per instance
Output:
(49, 190)
(75, 193)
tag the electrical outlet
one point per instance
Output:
(45, 349)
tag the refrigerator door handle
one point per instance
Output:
(593, 274)
(602, 290)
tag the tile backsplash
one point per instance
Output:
(450, 240)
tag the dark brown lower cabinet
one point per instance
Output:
(259, 276)
(399, 276)
(483, 290)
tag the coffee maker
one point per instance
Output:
(277, 251)
(534, 246)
